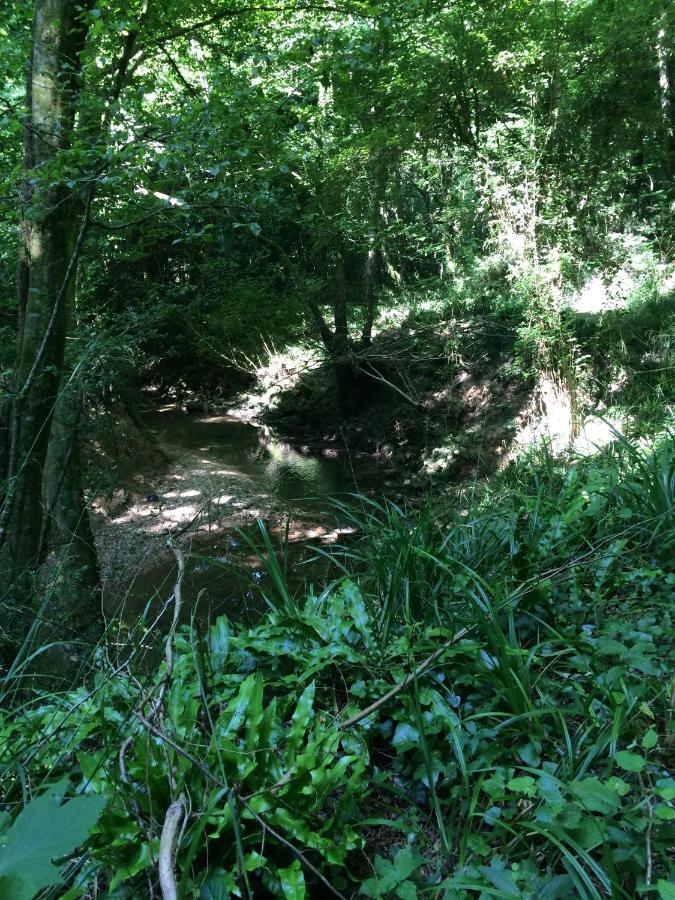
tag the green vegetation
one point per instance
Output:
(337, 458)
(529, 755)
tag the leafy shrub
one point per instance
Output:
(483, 708)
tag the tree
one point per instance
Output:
(52, 233)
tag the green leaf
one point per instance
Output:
(220, 886)
(524, 785)
(405, 734)
(666, 889)
(142, 859)
(595, 796)
(393, 875)
(407, 891)
(219, 642)
(405, 863)
(292, 881)
(664, 813)
(630, 762)
(650, 740)
(300, 721)
(665, 788)
(44, 830)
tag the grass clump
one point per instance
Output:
(479, 704)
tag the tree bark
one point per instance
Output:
(65, 528)
(665, 65)
(47, 257)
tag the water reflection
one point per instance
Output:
(254, 452)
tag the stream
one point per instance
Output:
(223, 476)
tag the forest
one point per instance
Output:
(337, 449)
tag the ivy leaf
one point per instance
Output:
(44, 830)
(630, 762)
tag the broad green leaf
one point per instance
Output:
(665, 788)
(219, 886)
(219, 642)
(630, 762)
(405, 734)
(43, 831)
(300, 721)
(140, 860)
(666, 889)
(254, 715)
(236, 711)
(407, 890)
(405, 863)
(524, 785)
(664, 812)
(650, 740)
(595, 796)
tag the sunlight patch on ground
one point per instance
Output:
(189, 493)
(550, 421)
(596, 433)
(180, 513)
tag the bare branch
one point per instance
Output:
(168, 843)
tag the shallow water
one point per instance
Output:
(241, 466)
(286, 473)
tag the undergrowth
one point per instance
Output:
(480, 703)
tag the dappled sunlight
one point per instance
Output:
(597, 432)
(171, 494)
(223, 474)
(180, 513)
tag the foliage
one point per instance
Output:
(417, 193)
(530, 759)
(43, 831)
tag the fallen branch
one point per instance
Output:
(168, 844)
(420, 670)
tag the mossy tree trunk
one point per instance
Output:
(51, 237)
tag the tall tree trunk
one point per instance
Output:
(665, 63)
(340, 350)
(50, 239)
(65, 528)
(375, 250)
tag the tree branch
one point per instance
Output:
(234, 13)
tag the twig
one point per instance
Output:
(294, 850)
(168, 842)
(181, 751)
(420, 670)
(648, 842)
(177, 604)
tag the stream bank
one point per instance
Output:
(207, 477)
